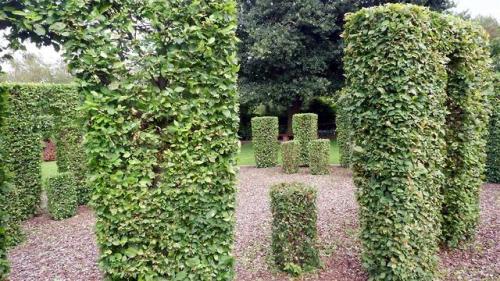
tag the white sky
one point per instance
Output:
(475, 7)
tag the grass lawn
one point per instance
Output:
(246, 154)
(244, 158)
(49, 169)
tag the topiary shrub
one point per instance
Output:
(294, 233)
(4, 263)
(319, 156)
(265, 141)
(62, 197)
(305, 129)
(493, 158)
(290, 155)
(343, 129)
(406, 141)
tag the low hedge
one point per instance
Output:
(305, 129)
(265, 141)
(294, 233)
(290, 155)
(319, 156)
(62, 195)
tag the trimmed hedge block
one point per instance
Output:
(319, 156)
(290, 155)
(493, 147)
(62, 196)
(305, 129)
(294, 232)
(265, 141)
(4, 263)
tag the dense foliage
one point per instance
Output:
(62, 197)
(32, 111)
(4, 264)
(343, 130)
(21, 146)
(291, 51)
(469, 74)
(294, 233)
(160, 84)
(265, 141)
(402, 136)
(319, 156)
(305, 129)
(493, 159)
(290, 153)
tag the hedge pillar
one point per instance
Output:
(397, 129)
(4, 264)
(493, 147)
(265, 141)
(305, 129)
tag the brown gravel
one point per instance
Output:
(66, 250)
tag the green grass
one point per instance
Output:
(49, 169)
(246, 154)
(244, 158)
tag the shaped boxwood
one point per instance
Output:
(62, 195)
(493, 160)
(305, 129)
(403, 136)
(319, 156)
(265, 141)
(290, 155)
(294, 233)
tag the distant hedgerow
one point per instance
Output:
(265, 141)
(290, 154)
(294, 232)
(305, 129)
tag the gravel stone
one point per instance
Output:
(66, 250)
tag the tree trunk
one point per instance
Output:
(293, 109)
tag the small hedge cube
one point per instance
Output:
(305, 129)
(319, 155)
(265, 141)
(290, 155)
(294, 232)
(62, 196)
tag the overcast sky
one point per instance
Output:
(475, 7)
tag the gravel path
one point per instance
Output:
(66, 250)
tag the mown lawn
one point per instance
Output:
(246, 154)
(244, 158)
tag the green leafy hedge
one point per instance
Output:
(493, 160)
(402, 136)
(343, 129)
(71, 157)
(294, 233)
(305, 129)
(33, 111)
(290, 154)
(4, 264)
(265, 141)
(468, 83)
(62, 197)
(319, 156)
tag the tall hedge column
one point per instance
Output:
(305, 129)
(493, 147)
(397, 137)
(4, 264)
(265, 141)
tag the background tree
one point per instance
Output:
(29, 67)
(291, 51)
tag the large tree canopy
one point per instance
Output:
(292, 50)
